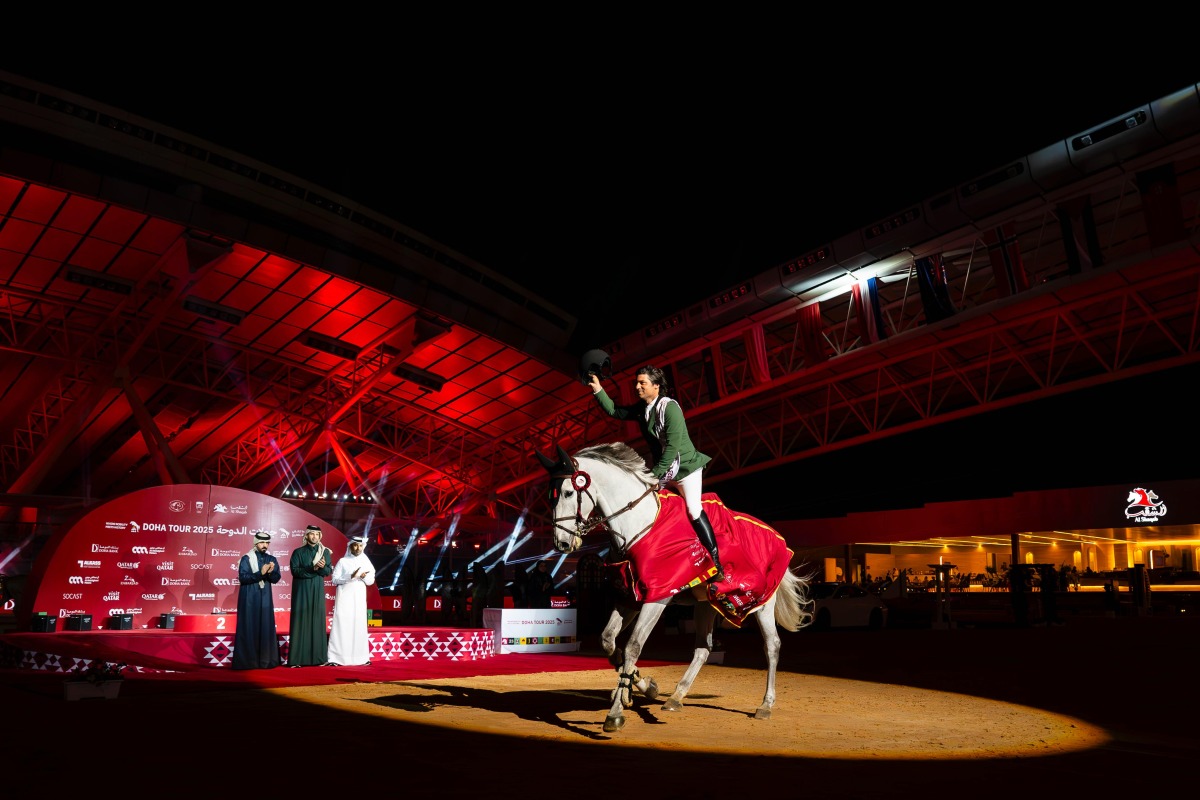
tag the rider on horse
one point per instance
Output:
(676, 460)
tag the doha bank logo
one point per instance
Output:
(1143, 505)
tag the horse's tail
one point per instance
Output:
(793, 608)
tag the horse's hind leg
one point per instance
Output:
(647, 618)
(766, 623)
(705, 619)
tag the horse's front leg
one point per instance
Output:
(627, 673)
(705, 619)
(620, 619)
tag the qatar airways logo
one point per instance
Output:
(128, 564)
(88, 564)
(176, 582)
(167, 566)
(111, 597)
(105, 548)
(154, 596)
(202, 595)
(83, 580)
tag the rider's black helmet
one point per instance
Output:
(594, 362)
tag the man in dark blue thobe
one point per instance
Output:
(255, 643)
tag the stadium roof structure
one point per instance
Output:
(172, 311)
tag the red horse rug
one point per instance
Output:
(669, 558)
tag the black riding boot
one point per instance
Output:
(704, 532)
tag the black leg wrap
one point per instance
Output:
(704, 532)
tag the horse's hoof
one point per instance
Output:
(652, 690)
(613, 724)
(672, 705)
(762, 713)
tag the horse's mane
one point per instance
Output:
(621, 456)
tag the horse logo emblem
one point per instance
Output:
(1144, 506)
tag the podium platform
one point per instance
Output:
(157, 650)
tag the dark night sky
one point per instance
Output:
(619, 195)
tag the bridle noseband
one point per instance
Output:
(581, 483)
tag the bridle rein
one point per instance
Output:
(581, 482)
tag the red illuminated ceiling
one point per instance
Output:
(141, 347)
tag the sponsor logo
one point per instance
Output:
(176, 582)
(219, 610)
(239, 509)
(133, 527)
(177, 505)
(220, 508)
(72, 596)
(202, 595)
(154, 596)
(105, 548)
(116, 526)
(222, 582)
(1142, 505)
(187, 551)
(66, 612)
(116, 612)
(83, 580)
(200, 566)
(166, 566)
(128, 564)
(284, 597)
(217, 552)
(142, 550)
(199, 506)
(111, 597)
(88, 564)
(128, 581)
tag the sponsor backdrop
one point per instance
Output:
(170, 549)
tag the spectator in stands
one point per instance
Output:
(541, 586)
(481, 592)
(255, 643)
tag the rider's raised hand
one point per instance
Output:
(594, 382)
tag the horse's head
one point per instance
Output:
(570, 500)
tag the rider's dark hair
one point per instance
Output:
(656, 376)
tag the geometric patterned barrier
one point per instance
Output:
(147, 651)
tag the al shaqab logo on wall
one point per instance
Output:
(1142, 505)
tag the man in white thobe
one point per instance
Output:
(348, 643)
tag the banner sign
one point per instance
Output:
(171, 549)
(532, 630)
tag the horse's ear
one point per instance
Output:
(564, 457)
(547, 463)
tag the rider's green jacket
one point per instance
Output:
(665, 432)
